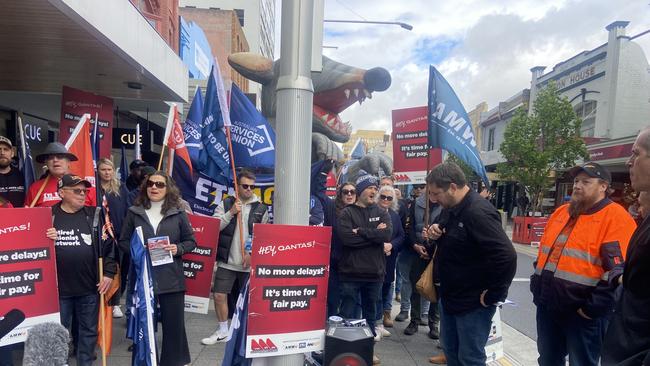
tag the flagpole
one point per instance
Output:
(98, 194)
(432, 104)
(234, 174)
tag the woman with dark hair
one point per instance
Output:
(116, 195)
(158, 210)
(346, 194)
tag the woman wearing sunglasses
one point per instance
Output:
(158, 209)
(346, 195)
(387, 201)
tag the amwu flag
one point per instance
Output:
(235, 353)
(80, 145)
(214, 158)
(141, 322)
(449, 126)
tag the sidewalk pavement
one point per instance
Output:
(398, 349)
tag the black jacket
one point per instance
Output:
(118, 205)
(167, 278)
(474, 254)
(628, 336)
(363, 257)
(256, 215)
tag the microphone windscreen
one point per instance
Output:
(10, 321)
(46, 344)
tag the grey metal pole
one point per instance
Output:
(295, 94)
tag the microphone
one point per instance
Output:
(46, 345)
(10, 321)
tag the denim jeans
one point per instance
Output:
(85, 309)
(562, 333)
(385, 302)
(404, 261)
(464, 336)
(370, 293)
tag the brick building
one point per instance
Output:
(163, 16)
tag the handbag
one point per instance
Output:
(425, 285)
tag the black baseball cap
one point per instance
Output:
(593, 170)
(69, 180)
(137, 164)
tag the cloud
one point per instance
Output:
(484, 48)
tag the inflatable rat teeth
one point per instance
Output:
(336, 88)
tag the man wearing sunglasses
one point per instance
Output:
(57, 158)
(232, 266)
(77, 247)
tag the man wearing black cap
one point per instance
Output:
(77, 249)
(136, 175)
(44, 192)
(580, 253)
(12, 185)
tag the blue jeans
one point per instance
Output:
(370, 293)
(404, 261)
(562, 333)
(385, 302)
(464, 336)
(85, 309)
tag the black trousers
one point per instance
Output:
(417, 268)
(175, 350)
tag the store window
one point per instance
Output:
(490, 146)
(586, 110)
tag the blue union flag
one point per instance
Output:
(449, 126)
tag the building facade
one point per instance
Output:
(257, 19)
(374, 141)
(163, 17)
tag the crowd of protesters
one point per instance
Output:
(589, 283)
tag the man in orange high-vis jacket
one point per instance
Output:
(581, 250)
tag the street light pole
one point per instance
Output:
(401, 24)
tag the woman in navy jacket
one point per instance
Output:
(158, 210)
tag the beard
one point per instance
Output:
(579, 206)
(5, 163)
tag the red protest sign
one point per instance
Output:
(198, 264)
(27, 269)
(74, 103)
(409, 138)
(288, 289)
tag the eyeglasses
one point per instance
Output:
(159, 185)
(248, 186)
(386, 198)
(77, 191)
(348, 192)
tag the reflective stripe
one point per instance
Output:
(579, 254)
(572, 277)
(546, 249)
(550, 266)
(538, 271)
(561, 239)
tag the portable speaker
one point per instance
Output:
(348, 346)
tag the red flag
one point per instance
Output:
(79, 144)
(176, 143)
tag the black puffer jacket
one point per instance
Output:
(175, 224)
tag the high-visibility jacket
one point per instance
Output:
(578, 275)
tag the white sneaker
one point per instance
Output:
(117, 312)
(383, 331)
(215, 338)
(378, 334)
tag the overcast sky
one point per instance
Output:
(485, 48)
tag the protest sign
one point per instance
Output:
(27, 269)
(198, 264)
(409, 138)
(288, 290)
(75, 103)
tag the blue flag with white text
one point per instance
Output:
(141, 322)
(253, 139)
(25, 161)
(449, 126)
(192, 129)
(214, 158)
(235, 352)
